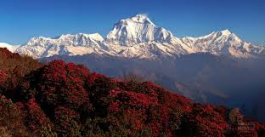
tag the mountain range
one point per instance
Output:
(139, 37)
(218, 68)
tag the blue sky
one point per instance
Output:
(22, 19)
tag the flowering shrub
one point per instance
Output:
(36, 118)
(64, 99)
(205, 121)
(12, 70)
(58, 83)
(2, 76)
(11, 119)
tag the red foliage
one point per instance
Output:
(206, 122)
(64, 96)
(6, 52)
(36, 118)
(94, 76)
(221, 110)
(13, 68)
(61, 83)
(3, 76)
(11, 118)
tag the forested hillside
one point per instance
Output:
(65, 99)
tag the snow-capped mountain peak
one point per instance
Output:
(79, 39)
(94, 36)
(135, 30)
(68, 44)
(223, 42)
(226, 32)
(139, 37)
(142, 18)
(227, 35)
(223, 35)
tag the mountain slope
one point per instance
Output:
(139, 37)
(203, 77)
(8, 46)
(223, 43)
(65, 99)
(78, 44)
(135, 30)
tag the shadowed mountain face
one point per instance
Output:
(202, 77)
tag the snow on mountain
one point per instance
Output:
(135, 30)
(8, 46)
(139, 37)
(78, 44)
(223, 43)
